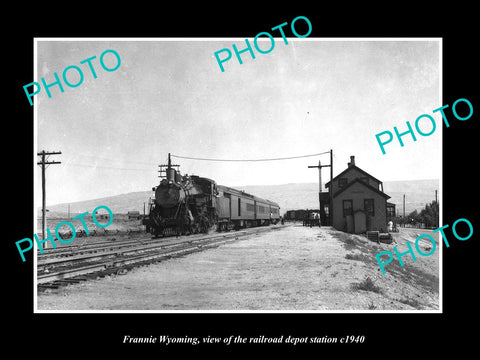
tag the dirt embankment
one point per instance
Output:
(295, 268)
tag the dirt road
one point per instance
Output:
(295, 268)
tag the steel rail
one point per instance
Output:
(117, 260)
(135, 247)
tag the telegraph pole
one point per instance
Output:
(330, 208)
(167, 170)
(319, 167)
(42, 163)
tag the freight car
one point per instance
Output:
(308, 217)
(190, 204)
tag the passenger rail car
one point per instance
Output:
(238, 209)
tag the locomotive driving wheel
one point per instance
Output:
(195, 229)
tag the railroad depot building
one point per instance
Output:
(359, 203)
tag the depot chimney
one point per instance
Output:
(352, 161)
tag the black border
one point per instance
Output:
(92, 334)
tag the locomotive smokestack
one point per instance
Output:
(170, 170)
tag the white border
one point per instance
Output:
(440, 195)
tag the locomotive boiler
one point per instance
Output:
(190, 204)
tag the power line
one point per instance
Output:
(250, 160)
(107, 167)
(184, 157)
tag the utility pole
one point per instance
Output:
(319, 167)
(42, 163)
(168, 170)
(330, 208)
(404, 220)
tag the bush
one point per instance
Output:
(412, 302)
(367, 285)
(354, 257)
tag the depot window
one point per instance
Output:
(347, 207)
(369, 207)
(364, 179)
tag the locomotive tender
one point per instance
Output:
(191, 204)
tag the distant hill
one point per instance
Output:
(301, 196)
(119, 204)
(418, 193)
(288, 196)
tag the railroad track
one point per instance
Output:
(73, 264)
(425, 243)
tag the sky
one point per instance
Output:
(170, 96)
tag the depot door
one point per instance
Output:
(360, 221)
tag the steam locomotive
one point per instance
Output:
(192, 204)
